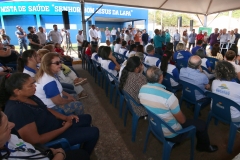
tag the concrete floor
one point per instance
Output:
(115, 139)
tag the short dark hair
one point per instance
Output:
(199, 42)
(230, 55)
(118, 40)
(54, 25)
(201, 53)
(124, 43)
(30, 27)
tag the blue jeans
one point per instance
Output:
(22, 45)
(82, 133)
(114, 37)
(175, 45)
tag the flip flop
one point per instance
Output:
(85, 95)
(81, 82)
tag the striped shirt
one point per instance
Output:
(155, 98)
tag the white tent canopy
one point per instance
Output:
(205, 7)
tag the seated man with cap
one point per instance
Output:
(150, 59)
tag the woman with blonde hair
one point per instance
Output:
(49, 89)
(67, 76)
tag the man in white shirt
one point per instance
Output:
(127, 36)
(99, 36)
(54, 35)
(118, 45)
(93, 35)
(79, 38)
(231, 38)
(107, 34)
(113, 33)
(41, 36)
(223, 37)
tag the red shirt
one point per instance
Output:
(88, 52)
(60, 51)
(200, 37)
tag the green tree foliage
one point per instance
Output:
(235, 14)
(169, 18)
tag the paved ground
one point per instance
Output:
(115, 139)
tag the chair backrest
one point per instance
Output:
(167, 81)
(130, 100)
(181, 63)
(113, 77)
(108, 75)
(95, 65)
(156, 124)
(212, 61)
(221, 107)
(146, 65)
(205, 69)
(189, 91)
(121, 58)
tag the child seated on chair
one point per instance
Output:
(60, 51)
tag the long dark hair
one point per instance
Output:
(164, 62)
(23, 60)
(132, 47)
(100, 50)
(140, 48)
(132, 64)
(94, 48)
(215, 49)
(8, 84)
(106, 51)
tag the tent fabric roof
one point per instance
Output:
(205, 7)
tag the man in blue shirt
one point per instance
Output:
(22, 41)
(158, 41)
(199, 46)
(176, 39)
(191, 39)
(193, 74)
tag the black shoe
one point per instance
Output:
(210, 148)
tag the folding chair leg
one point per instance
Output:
(166, 151)
(121, 105)
(197, 109)
(146, 140)
(231, 138)
(134, 127)
(111, 92)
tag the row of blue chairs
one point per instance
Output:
(155, 122)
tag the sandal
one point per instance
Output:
(80, 81)
(82, 95)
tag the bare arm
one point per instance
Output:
(57, 114)
(34, 137)
(58, 100)
(180, 117)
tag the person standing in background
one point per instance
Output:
(93, 35)
(200, 36)
(158, 42)
(34, 42)
(41, 36)
(167, 37)
(191, 39)
(54, 35)
(118, 33)
(145, 37)
(237, 36)
(80, 38)
(212, 39)
(185, 38)
(2, 32)
(99, 35)
(22, 41)
(107, 34)
(113, 33)
(176, 39)
(205, 40)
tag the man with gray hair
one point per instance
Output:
(164, 104)
(193, 74)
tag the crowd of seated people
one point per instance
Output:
(59, 102)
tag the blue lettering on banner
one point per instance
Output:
(56, 8)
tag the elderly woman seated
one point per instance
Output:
(34, 122)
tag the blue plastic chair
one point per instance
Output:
(155, 126)
(205, 69)
(181, 63)
(120, 57)
(188, 95)
(212, 62)
(98, 72)
(107, 83)
(167, 83)
(89, 65)
(64, 144)
(135, 117)
(118, 93)
(221, 111)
